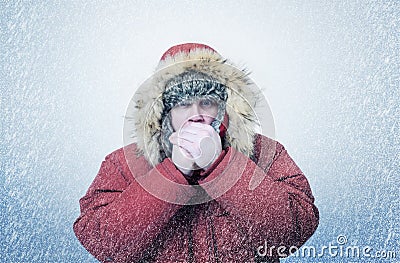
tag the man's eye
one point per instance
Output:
(206, 103)
(184, 104)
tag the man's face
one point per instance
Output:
(202, 110)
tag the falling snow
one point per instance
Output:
(330, 71)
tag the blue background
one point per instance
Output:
(330, 71)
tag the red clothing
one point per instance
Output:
(271, 203)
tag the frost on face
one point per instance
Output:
(330, 71)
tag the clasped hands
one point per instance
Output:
(195, 146)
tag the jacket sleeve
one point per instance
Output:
(271, 203)
(119, 219)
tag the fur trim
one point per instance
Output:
(146, 106)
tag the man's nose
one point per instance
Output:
(195, 113)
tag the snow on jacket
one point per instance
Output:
(267, 201)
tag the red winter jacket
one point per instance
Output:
(270, 205)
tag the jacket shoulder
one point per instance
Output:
(265, 150)
(130, 150)
(127, 159)
(265, 140)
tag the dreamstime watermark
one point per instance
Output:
(339, 248)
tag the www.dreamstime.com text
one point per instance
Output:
(340, 248)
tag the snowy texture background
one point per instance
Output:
(331, 73)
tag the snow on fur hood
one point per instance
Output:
(143, 118)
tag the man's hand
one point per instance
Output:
(181, 158)
(198, 142)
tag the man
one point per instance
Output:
(198, 184)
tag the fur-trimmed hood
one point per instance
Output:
(143, 119)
